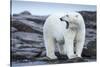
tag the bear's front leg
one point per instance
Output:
(69, 44)
(80, 38)
(50, 47)
(69, 49)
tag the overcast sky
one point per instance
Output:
(40, 8)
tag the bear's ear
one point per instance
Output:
(76, 16)
(67, 15)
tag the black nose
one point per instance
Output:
(67, 23)
(61, 19)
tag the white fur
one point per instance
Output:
(55, 29)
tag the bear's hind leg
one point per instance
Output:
(50, 47)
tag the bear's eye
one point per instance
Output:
(76, 16)
(67, 15)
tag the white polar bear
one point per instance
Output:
(66, 29)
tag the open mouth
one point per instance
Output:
(67, 26)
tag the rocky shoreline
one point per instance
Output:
(27, 39)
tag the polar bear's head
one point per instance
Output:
(72, 19)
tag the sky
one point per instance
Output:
(42, 8)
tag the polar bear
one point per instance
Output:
(67, 30)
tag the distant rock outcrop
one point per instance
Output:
(25, 13)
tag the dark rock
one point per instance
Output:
(23, 55)
(78, 59)
(13, 49)
(43, 54)
(18, 45)
(25, 13)
(27, 16)
(38, 45)
(90, 24)
(60, 56)
(39, 62)
(21, 26)
(90, 31)
(28, 37)
(89, 53)
(25, 46)
(15, 15)
(42, 58)
(88, 15)
(27, 26)
(15, 41)
(27, 54)
(30, 63)
(35, 50)
(13, 29)
(92, 44)
(36, 19)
